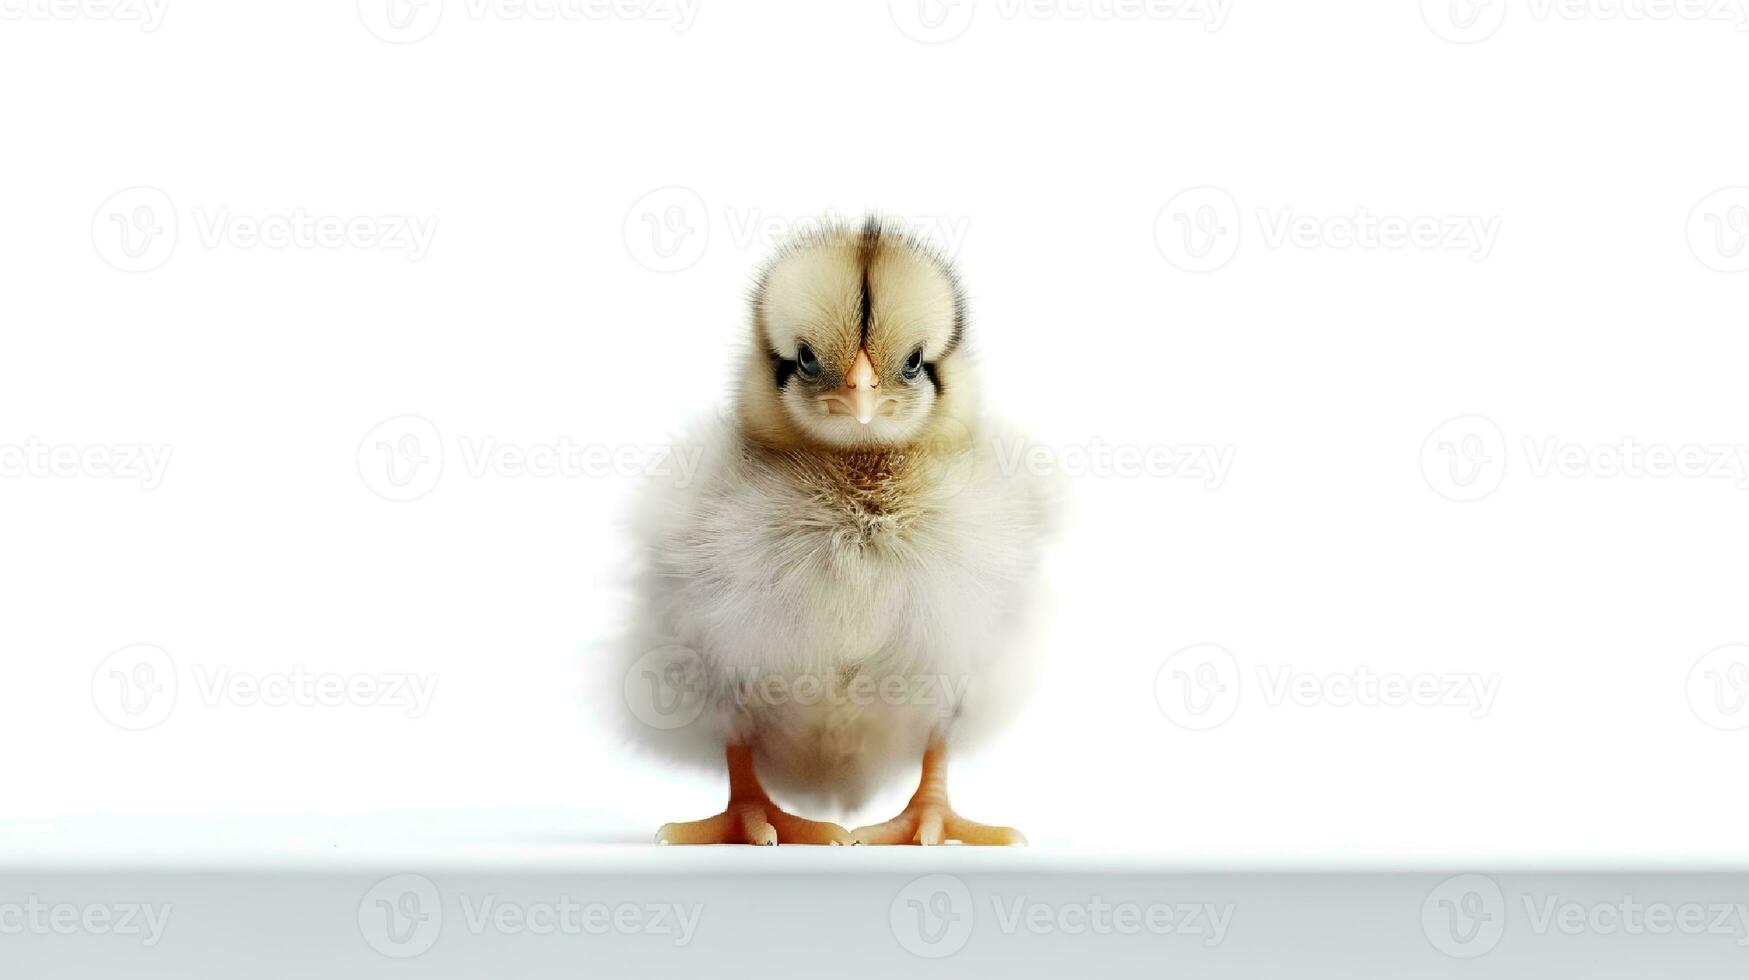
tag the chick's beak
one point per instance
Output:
(859, 395)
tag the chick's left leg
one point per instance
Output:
(929, 819)
(750, 817)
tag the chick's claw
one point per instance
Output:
(753, 823)
(792, 829)
(936, 823)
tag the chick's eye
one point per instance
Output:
(806, 362)
(914, 365)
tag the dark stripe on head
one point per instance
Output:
(865, 251)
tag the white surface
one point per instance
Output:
(521, 839)
(1053, 145)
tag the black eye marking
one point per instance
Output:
(783, 367)
(913, 365)
(807, 362)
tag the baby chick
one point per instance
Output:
(843, 584)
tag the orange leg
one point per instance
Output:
(928, 819)
(751, 817)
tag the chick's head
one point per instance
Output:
(857, 345)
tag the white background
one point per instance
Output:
(1050, 151)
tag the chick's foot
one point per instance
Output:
(928, 819)
(751, 817)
